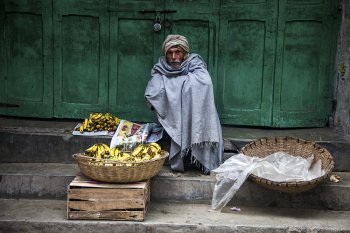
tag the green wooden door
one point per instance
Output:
(81, 40)
(305, 45)
(246, 62)
(135, 47)
(26, 58)
(275, 62)
(198, 21)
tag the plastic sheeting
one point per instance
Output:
(279, 167)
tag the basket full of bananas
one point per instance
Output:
(101, 163)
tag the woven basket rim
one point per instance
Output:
(119, 171)
(81, 156)
(291, 183)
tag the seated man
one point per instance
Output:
(181, 93)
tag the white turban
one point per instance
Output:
(175, 40)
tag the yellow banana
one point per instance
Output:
(108, 116)
(91, 148)
(125, 156)
(103, 150)
(147, 157)
(86, 123)
(137, 150)
(114, 152)
(116, 120)
(97, 116)
(106, 148)
(153, 149)
(99, 152)
(155, 145)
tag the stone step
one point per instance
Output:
(50, 180)
(336, 143)
(48, 216)
(40, 141)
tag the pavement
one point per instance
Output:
(48, 216)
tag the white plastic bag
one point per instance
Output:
(230, 177)
(278, 166)
(281, 167)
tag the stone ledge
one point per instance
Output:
(50, 181)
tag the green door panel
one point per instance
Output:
(302, 94)
(247, 47)
(198, 21)
(246, 59)
(201, 36)
(301, 60)
(26, 68)
(81, 58)
(197, 33)
(80, 78)
(133, 53)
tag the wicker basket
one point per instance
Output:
(118, 171)
(295, 147)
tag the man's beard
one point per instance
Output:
(175, 64)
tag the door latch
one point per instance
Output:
(157, 24)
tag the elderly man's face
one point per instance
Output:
(175, 56)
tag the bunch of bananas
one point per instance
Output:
(99, 151)
(99, 122)
(143, 152)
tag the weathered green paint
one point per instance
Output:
(134, 50)
(302, 90)
(293, 90)
(198, 21)
(135, 47)
(26, 58)
(81, 36)
(246, 62)
(270, 60)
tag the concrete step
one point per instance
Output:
(49, 216)
(50, 180)
(48, 141)
(336, 143)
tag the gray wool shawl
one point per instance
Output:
(183, 99)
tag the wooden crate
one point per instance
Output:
(89, 199)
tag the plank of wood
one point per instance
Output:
(99, 193)
(101, 205)
(107, 215)
(82, 181)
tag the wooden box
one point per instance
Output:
(89, 199)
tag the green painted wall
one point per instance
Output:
(270, 60)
